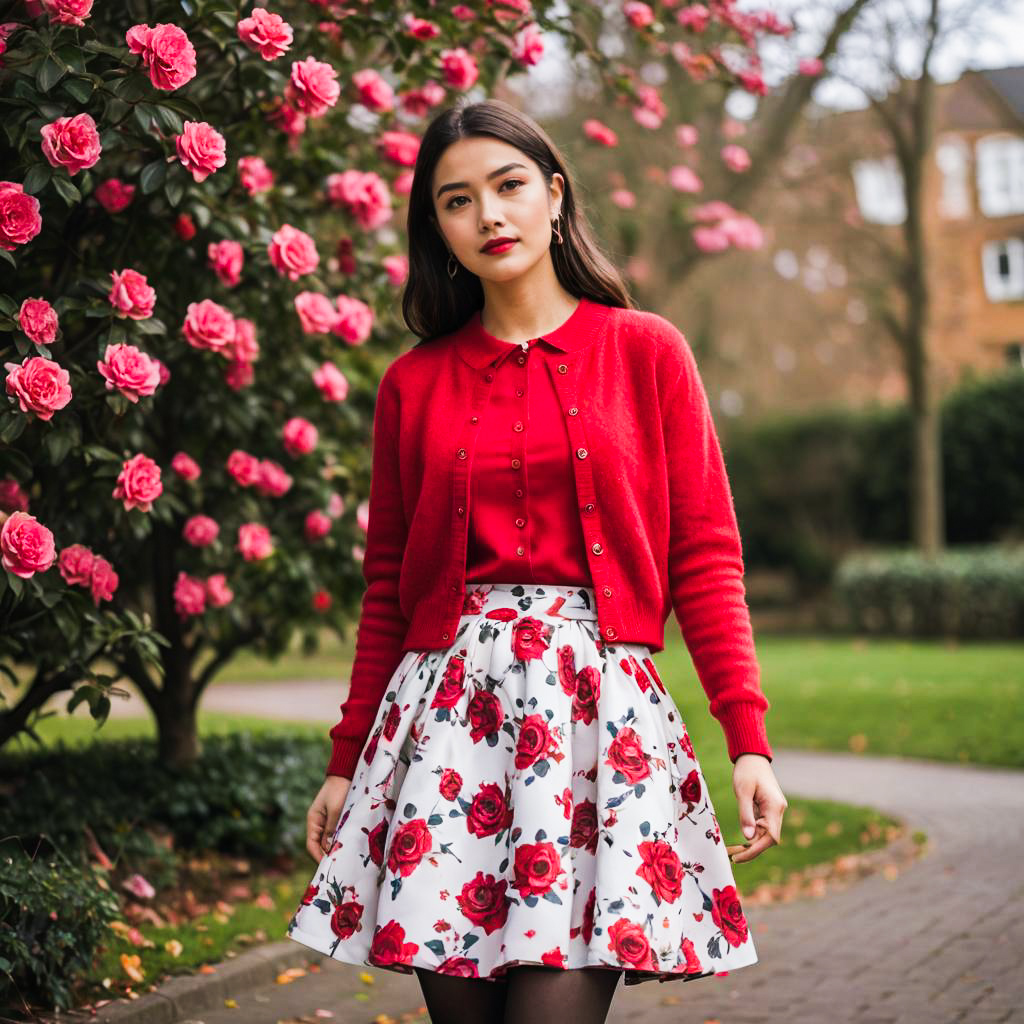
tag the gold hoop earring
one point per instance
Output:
(452, 271)
(554, 226)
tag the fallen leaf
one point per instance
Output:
(231, 1004)
(207, 969)
(174, 947)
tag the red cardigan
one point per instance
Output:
(652, 494)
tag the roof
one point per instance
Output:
(1008, 83)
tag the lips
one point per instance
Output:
(498, 244)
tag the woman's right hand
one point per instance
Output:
(323, 815)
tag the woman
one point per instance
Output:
(523, 819)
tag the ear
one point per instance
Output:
(557, 190)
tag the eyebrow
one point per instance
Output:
(465, 184)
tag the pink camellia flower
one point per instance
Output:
(131, 295)
(217, 590)
(459, 68)
(185, 466)
(26, 545)
(710, 239)
(38, 319)
(139, 887)
(313, 87)
(528, 45)
(300, 436)
(255, 175)
(226, 259)
(810, 66)
(695, 17)
(321, 600)
(333, 384)
(293, 252)
(418, 102)
(130, 371)
(596, 131)
(71, 142)
(399, 147)
(254, 541)
(139, 483)
(463, 13)
(651, 110)
(68, 12)
(189, 595)
(364, 194)
(355, 320)
(713, 210)
(103, 581)
(165, 374)
(397, 267)
(243, 468)
(686, 135)
(166, 51)
(201, 149)
(41, 385)
(375, 93)
(736, 158)
(317, 525)
(753, 82)
(209, 325)
(335, 505)
(185, 227)
(114, 195)
(623, 198)
(684, 179)
(743, 232)
(402, 185)
(19, 216)
(317, 313)
(291, 121)
(75, 565)
(12, 497)
(199, 531)
(274, 480)
(245, 348)
(639, 15)
(420, 28)
(363, 515)
(238, 374)
(267, 34)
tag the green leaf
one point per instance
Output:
(151, 325)
(170, 120)
(58, 444)
(8, 305)
(37, 178)
(66, 190)
(174, 189)
(145, 114)
(49, 74)
(79, 89)
(152, 176)
(5, 255)
(13, 427)
(116, 335)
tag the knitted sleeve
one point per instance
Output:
(382, 626)
(706, 563)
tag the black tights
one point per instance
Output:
(530, 993)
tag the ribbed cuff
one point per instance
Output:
(344, 757)
(743, 725)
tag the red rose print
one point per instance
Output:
(641, 676)
(489, 813)
(530, 638)
(451, 784)
(377, 840)
(391, 722)
(727, 913)
(459, 967)
(533, 742)
(584, 700)
(371, 747)
(345, 919)
(693, 964)
(389, 946)
(567, 668)
(502, 614)
(691, 788)
(588, 916)
(649, 665)
(485, 715)
(583, 833)
(553, 958)
(626, 755)
(686, 746)
(630, 945)
(484, 902)
(410, 845)
(661, 869)
(537, 868)
(452, 683)
(310, 893)
(473, 603)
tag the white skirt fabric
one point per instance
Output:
(529, 795)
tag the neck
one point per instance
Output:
(526, 307)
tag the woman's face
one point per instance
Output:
(473, 203)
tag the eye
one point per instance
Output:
(450, 205)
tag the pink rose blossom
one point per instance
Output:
(420, 28)
(811, 66)
(463, 13)
(743, 232)
(185, 466)
(184, 227)
(26, 545)
(639, 15)
(131, 295)
(317, 313)
(317, 525)
(418, 102)
(130, 371)
(623, 198)
(402, 185)
(291, 121)
(255, 175)
(753, 82)
(683, 179)
(68, 12)
(243, 468)
(397, 267)
(265, 33)
(200, 531)
(274, 481)
(75, 565)
(245, 348)
(71, 142)
(375, 93)
(217, 590)
(189, 595)
(38, 319)
(313, 87)
(651, 110)
(321, 600)
(103, 580)
(736, 158)
(355, 320)
(333, 384)
(459, 68)
(528, 45)
(139, 483)
(40, 385)
(166, 51)
(364, 194)
(114, 195)
(12, 497)
(254, 541)
(695, 17)
(399, 147)
(686, 135)
(335, 505)
(165, 374)
(363, 515)
(209, 325)
(293, 252)
(598, 132)
(19, 216)
(712, 211)
(709, 239)
(226, 259)
(238, 374)
(201, 149)
(300, 436)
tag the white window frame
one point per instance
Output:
(1000, 288)
(952, 155)
(879, 187)
(1000, 163)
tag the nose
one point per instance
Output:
(490, 215)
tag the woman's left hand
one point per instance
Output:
(761, 806)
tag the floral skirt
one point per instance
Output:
(529, 795)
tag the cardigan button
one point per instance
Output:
(596, 548)
(516, 463)
(444, 636)
(518, 425)
(588, 509)
(488, 376)
(475, 419)
(520, 550)
(610, 633)
(519, 492)
(562, 368)
(607, 591)
(462, 511)
(581, 452)
(461, 453)
(520, 523)
(521, 360)
(573, 411)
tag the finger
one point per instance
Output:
(753, 849)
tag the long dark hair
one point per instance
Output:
(434, 304)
